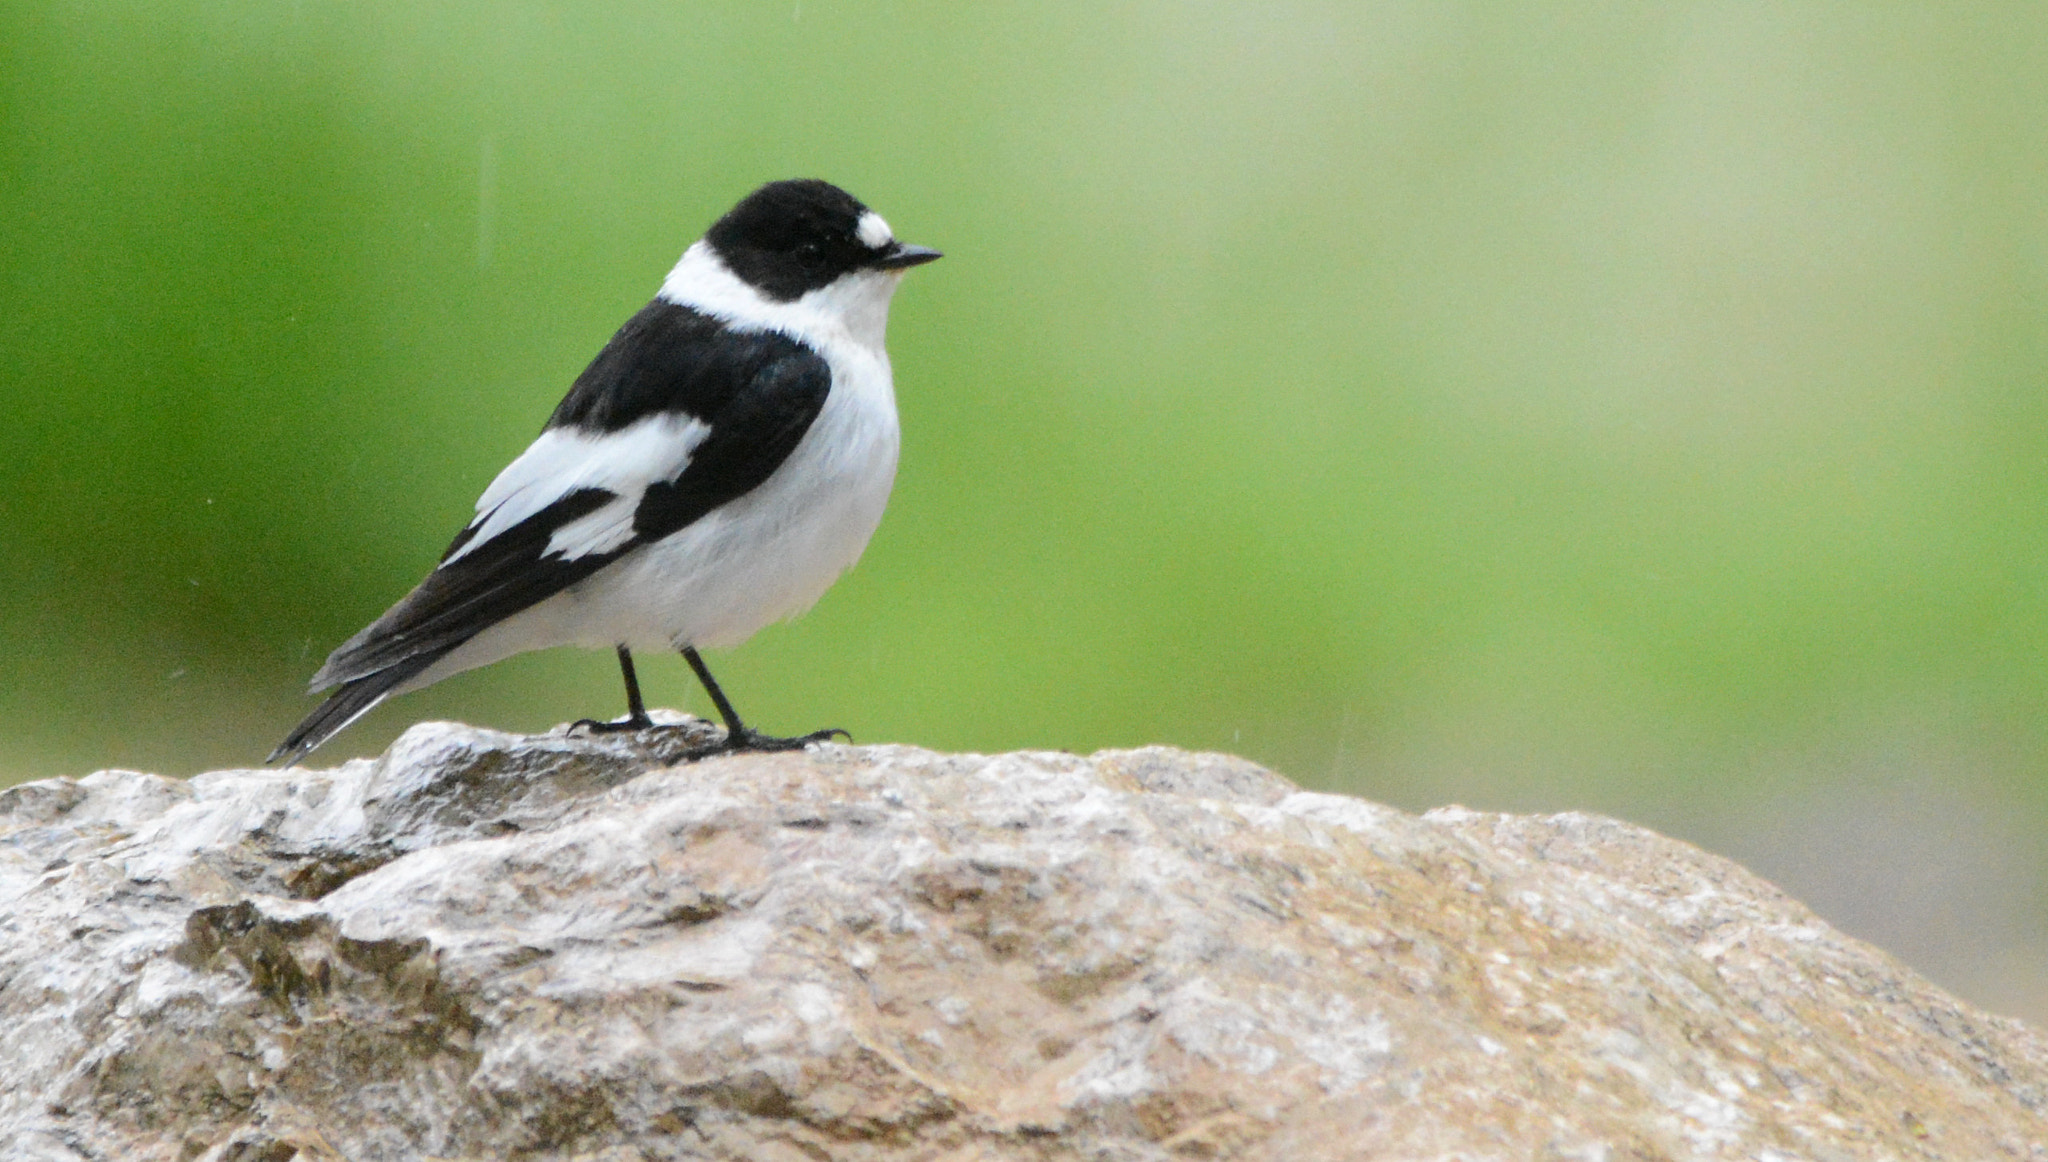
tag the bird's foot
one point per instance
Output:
(754, 740)
(691, 734)
(593, 726)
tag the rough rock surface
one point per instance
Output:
(487, 946)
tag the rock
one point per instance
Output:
(485, 946)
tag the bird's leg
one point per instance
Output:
(734, 729)
(636, 710)
(737, 735)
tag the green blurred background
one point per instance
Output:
(1627, 408)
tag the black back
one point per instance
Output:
(758, 392)
(673, 358)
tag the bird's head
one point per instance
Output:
(788, 239)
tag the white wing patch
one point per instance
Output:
(564, 460)
(875, 233)
(599, 531)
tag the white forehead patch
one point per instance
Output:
(874, 233)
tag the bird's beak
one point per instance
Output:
(902, 256)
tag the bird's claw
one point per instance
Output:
(754, 740)
(741, 742)
(593, 726)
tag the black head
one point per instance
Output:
(789, 238)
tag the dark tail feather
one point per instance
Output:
(352, 701)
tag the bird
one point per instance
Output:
(724, 458)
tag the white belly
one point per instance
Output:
(766, 556)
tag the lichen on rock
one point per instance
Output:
(481, 945)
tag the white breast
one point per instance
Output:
(769, 554)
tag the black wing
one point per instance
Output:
(463, 597)
(756, 392)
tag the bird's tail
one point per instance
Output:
(354, 699)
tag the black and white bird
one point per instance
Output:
(717, 466)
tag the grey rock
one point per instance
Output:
(482, 945)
